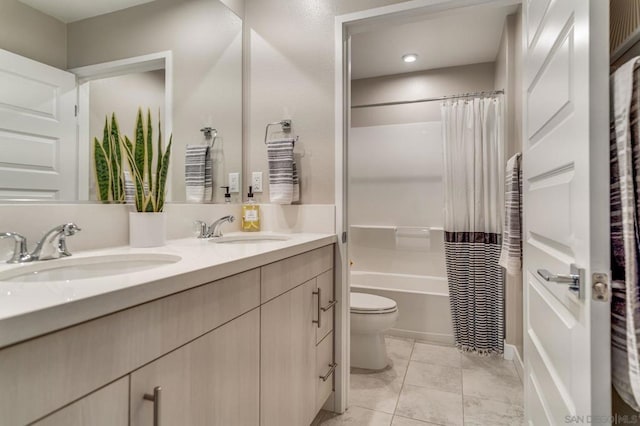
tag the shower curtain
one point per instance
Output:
(625, 229)
(473, 197)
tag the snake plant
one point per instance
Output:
(108, 163)
(150, 187)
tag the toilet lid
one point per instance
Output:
(371, 304)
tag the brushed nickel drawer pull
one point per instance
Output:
(318, 293)
(155, 398)
(332, 368)
(331, 304)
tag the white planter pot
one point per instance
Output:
(147, 229)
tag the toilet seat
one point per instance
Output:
(364, 303)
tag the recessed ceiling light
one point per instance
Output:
(410, 57)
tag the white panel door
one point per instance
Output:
(38, 143)
(566, 208)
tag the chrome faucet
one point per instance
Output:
(215, 229)
(20, 253)
(54, 244)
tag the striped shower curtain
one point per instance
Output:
(473, 196)
(625, 229)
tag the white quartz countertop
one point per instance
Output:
(30, 309)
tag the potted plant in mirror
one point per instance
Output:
(147, 225)
(107, 156)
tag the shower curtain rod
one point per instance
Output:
(441, 98)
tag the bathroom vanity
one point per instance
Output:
(229, 335)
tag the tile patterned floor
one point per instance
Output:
(433, 385)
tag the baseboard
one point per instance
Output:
(519, 365)
(441, 339)
(511, 353)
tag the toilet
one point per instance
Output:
(371, 316)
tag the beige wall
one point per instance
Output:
(236, 5)
(289, 71)
(30, 33)
(206, 40)
(123, 95)
(508, 77)
(415, 85)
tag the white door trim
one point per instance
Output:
(345, 25)
(136, 64)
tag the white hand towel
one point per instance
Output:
(195, 171)
(281, 171)
(511, 255)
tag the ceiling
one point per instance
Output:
(75, 10)
(467, 37)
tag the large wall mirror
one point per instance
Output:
(64, 68)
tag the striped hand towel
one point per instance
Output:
(208, 175)
(511, 255)
(198, 173)
(129, 188)
(296, 184)
(283, 178)
(624, 225)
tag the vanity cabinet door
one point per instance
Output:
(213, 380)
(288, 363)
(325, 368)
(108, 406)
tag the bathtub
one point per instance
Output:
(423, 303)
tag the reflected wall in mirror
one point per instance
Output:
(122, 96)
(204, 39)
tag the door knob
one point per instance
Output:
(574, 279)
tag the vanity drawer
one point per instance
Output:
(63, 366)
(325, 369)
(108, 406)
(282, 276)
(327, 304)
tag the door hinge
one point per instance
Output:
(75, 110)
(600, 287)
(344, 237)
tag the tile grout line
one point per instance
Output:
(413, 345)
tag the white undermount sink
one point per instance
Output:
(250, 239)
(81, 268)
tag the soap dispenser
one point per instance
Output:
(250, 214)
(227, 195)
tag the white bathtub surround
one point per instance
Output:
(423, 303)
(473, 202)
(397, 249)
(396, 165)
(147, 229)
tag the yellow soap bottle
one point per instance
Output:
(250, 214)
